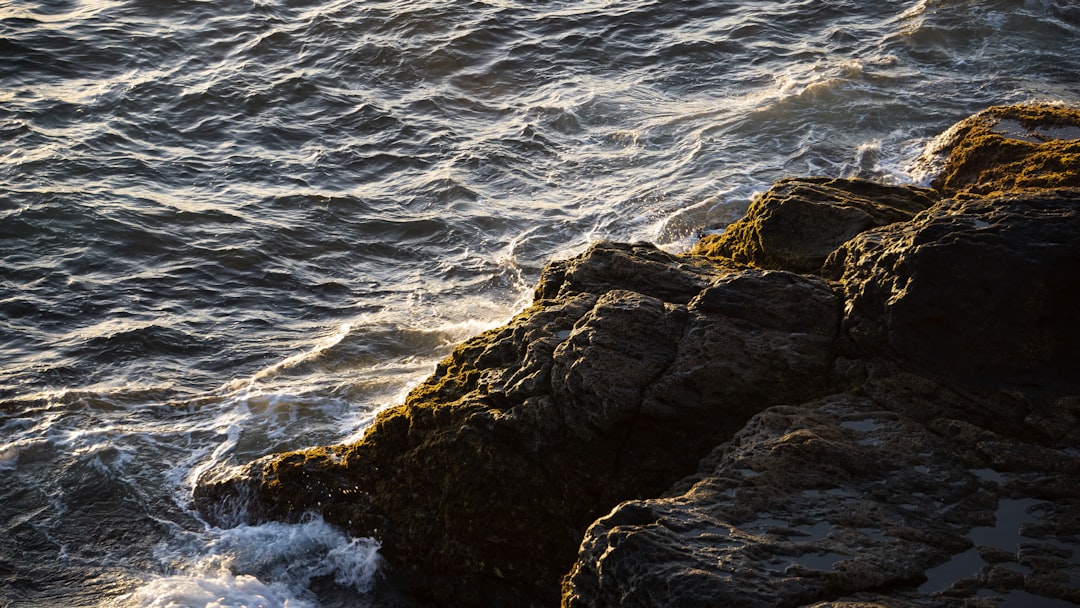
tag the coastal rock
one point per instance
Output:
(945, 476)
(639, 267)
(629, 368)
(798, 222)
(976, 291)
(890, 375)
(1007, 148)
(840, 503)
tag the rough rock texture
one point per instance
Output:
(878, 386)
(1008, 148)
(947, 473)
(975, 290)
(798, 222)
(629, 368)
(841, 502)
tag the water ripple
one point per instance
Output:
(235, 226)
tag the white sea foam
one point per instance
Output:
(268, 565)
(214, 591)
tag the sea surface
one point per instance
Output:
(236, 227)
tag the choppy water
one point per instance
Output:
(235, 227)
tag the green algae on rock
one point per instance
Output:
(1007, 148)
(798, 222)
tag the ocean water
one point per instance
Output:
(235, 227)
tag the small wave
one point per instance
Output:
(231, 567)
(223, 590)
(123, 340)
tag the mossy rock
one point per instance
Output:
(1007, 148)
(798, 222)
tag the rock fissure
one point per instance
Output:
(636, 418)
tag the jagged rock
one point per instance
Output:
(916, 387)
(948, 475)
(840, 503)
(798, 222)
(631, 366)
(976, 291)
(1007, 148)
(639, 267)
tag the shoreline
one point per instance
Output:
(648, 429)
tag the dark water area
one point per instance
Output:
(232, 228)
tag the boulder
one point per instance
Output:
(1007, 148)
(974, 291)
(875, 385)
(798, 222)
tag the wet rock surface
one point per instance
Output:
(836, 499)
(480, 486)
(877, 386)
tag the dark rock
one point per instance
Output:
(982, 291)
(639, 267)
(793, 510)
(829, 502)
(948, 475)
(897, 426)
(612, 386)
(798, 222)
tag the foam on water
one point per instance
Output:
(106, 491)
(109, 461)
(223, 591)
(269, 565)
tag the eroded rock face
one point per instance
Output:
(840, 502)
(631, 366)
(973, 290)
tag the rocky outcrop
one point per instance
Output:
(798, 222)
(1007, 148)
(877, 387)
(839, 502)
(974, 291)
(945, 475)
(631, 365)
